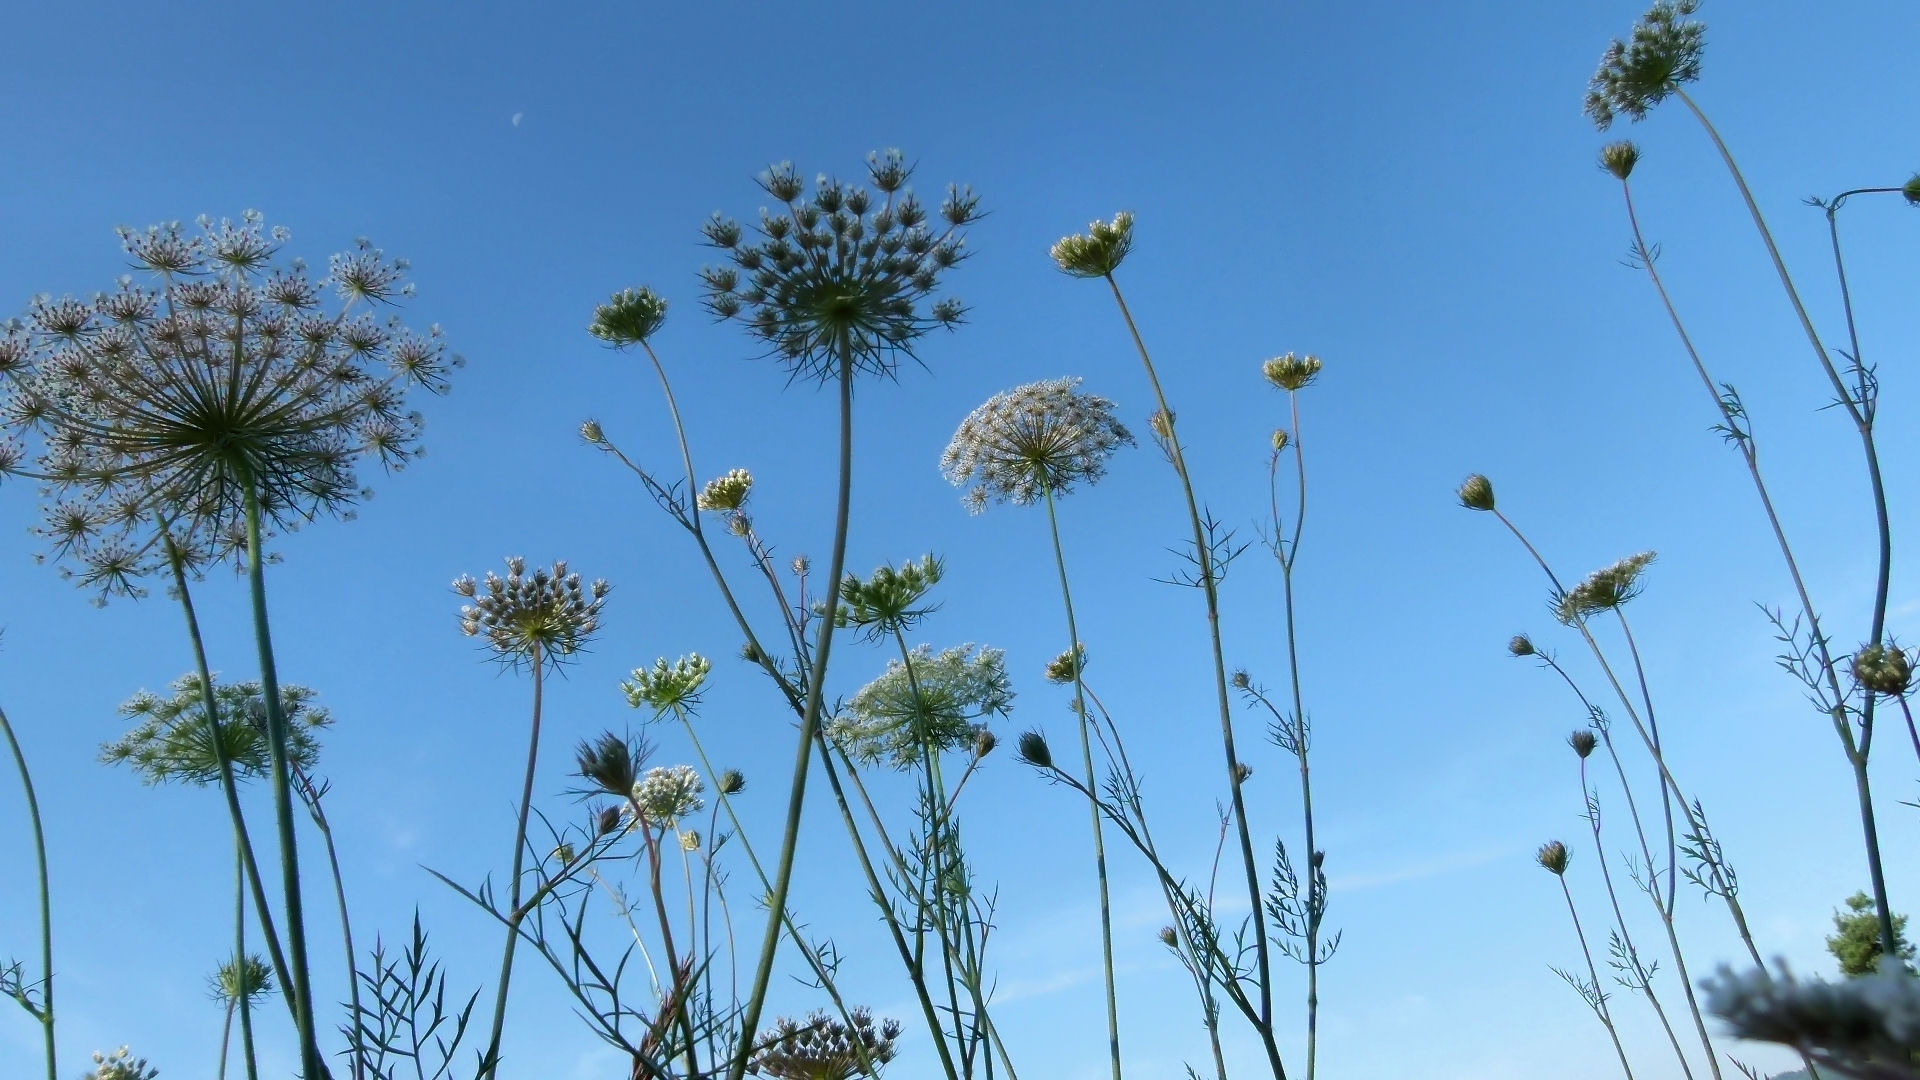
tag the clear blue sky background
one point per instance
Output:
(1405, 189)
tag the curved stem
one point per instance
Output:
(809, 724)
(1086, 758)
(310, 794)
(1316, 898)
(45, 1012)
(300, 990)
(1203, 558)
(490, 1061)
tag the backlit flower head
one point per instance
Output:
(1020, 444)
(119, 1065)
(1619, 158)
(1883, 669)
(1553, 857)
(1635, 75)
(1291, 372)
(546, 614)
(170, 741)
(1069, 665)
(629, 318)
(1097, 252)
(1604, 589)
(726, 493)
(1867, 1026)
(931, 704)
(824, 1048)
(890, 600)
(248, 977)
(668, 793)
(668, 687)
(223, 368)
(1583, 741)
(850, 271)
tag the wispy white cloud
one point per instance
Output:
(1437, 866)
(516, 119)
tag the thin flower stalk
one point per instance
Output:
(229, 785)
(310, 793)
(42, 1012)
(1553, 857)
(1663, 907)
(1292, 374)
(1117, 240)
(1663, 57)
(1637, 975)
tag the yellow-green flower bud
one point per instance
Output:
(1476, 493)
(590, 431)
(1619, 158)
(1553, 856)
(1280, 439)
(728, 492)
(1883, 670)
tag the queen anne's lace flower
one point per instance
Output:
(1604, 589)
(929, 705)
(845, 274)
(545, 614)
(669, 793)
(170, 741)
(159, 406)
(823, 1048)
(1041, 437)
(1639, 73)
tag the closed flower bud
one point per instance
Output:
(590, 431)
(608, 819)
(984, 743)
(732, 782)
(1168, 937)
(1476, 493)
(1553, 856)
(1520, 645)
(751, 653)
(801, 564)
(1034, 751)
(563, 854)
(1068, 665)
(690, 840)
(609, 763)
(1241, 680)
(1619, 158)
(1241, 770)
(1583, 742)
(1883, 670)
(729, 492)
(1280, 439)
(1291, 372)
(1912, 190)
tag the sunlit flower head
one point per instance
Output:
(1069, 665)
(119, 1065)
(221, 370)
(1291, 371)
(1603, 590)
(247, 977)
(1476, 493)
(891, 600)
(726, 493)
(546, 615)
(629, 318)
(1034, 439)
(1097, 252)
(1635, 75)
(170, 741)
(668, 793)
(1619, 158)
(931, 704)
(849, 272)
(668, 687)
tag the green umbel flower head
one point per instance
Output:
(931, 704)
(158, 405)
(119, 1065)
(848, 272)
(824, 1048)
(629, 318)
(1291, 372)
(1097, 252)
(890, 601)
(248, 977)
(170, 741)
(1603, 590)
(668, 687)
(1641, 72)
(1619, 158)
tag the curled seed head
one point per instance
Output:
(1034, 751)
(1583, 741)
(1553, 856)
(1476, 493)
(1520, 645)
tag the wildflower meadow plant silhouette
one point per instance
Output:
(836, 282)
(188, 413)
(1661, 59)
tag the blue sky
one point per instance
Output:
(1405, 189)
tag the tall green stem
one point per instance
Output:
(1086, 760)
(809, 724)
(1203, 559)
(311, 793)
(46, 895)
(1600, 1003)
(245, 1002)
(490, 1062)
(312, 1067)
(1863, 423)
